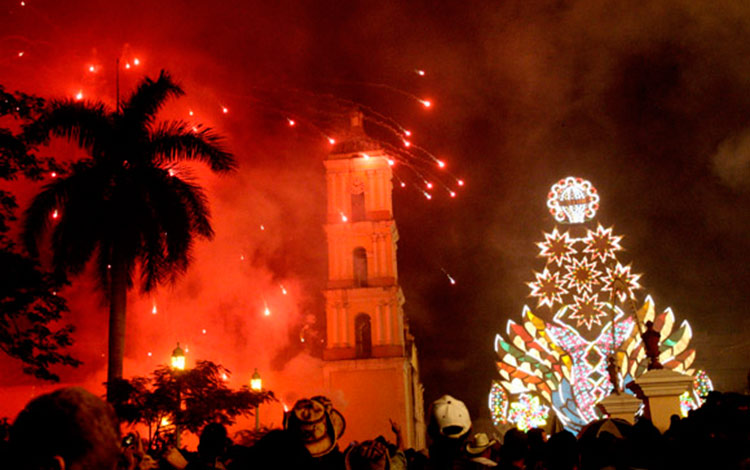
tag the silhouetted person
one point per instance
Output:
(68, 429)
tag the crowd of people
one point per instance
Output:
(72, 429)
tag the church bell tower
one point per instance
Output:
(370, 356)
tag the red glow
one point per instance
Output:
(53, 174)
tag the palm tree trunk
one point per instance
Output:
(117, 310)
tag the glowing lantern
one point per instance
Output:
(255, 381)
(178, 358)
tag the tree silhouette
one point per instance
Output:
(29, 305)
(128, 204)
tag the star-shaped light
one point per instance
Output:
(582, 275)
(557, 247)
(623, 281)
(528, 412)
(548, 288)
(587, 310)
(602, 244)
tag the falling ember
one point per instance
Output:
(267, 311)
(149, 354)
(291, 122)
(55, 214)
(79, 96)
(407, 133)
(224, 376)
(344, 218)
(20, 54)
(452, 193)
(419, 72)
(407, 144)
(365, 156)
(391, 162)
(426, 103)
(403, 185)
(127, 66)
(262, 227)
(191, 113)
(136, 61)
(286, 408)
(171, 172)
(331, 140)
(283, 289)
(109, 266)
(186, 349)
(153, 310)
(92, 69)
(429, 185)
(460, 182)
(203, 331)
(53, 174)
(224, 109)
(441, 163)
(427, 195)
(242, 257)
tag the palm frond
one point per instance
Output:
(149, 98)
(87, 124)
(175, 140)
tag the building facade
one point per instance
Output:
(370, 360)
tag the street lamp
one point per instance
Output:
(178, 358)
(257, 385)
(178, 365)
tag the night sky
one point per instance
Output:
(649, 101)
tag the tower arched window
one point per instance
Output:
(359, 258)
(358, 207)
(363, 336)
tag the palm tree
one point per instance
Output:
(124, 205)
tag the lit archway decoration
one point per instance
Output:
(573, 200)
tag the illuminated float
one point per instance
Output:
(554, 358)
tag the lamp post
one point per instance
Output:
(257, 385)
(178, 365)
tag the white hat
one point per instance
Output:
(451, 416)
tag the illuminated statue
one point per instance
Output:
(578, 345)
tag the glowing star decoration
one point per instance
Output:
(557, 247)
(498, 404)
(602, 244)
(548, 288)
(573, 200)
(622, 281)
(587, 310)
(582, 275)
(528, 413)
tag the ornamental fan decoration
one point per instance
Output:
(563, 361)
